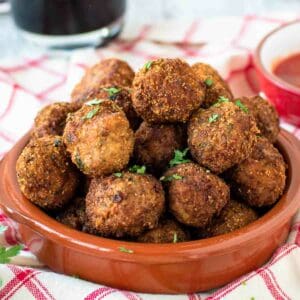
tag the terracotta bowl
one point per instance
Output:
(278, 44)
(168, 268)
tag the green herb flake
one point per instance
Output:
(148, 64)
(2, 228)
(175, 238)
(79, 162)
(137, 169)
(91, 113)
(57, 143)
(179, 157)
(220, 100)
(125, 250)
(213, 118)
(170, 178)
(112, 92)
(252, 298)
(7, 253)
(242, 106)
(118, 174)
(209, 82)
(244, 283)
(94, 102)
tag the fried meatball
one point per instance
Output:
(124, 206)
(51, 119)
(121, 96)
(155, 144)
(167, 231)
(260, 179)
(112, 72)
(221, 136)
(195, 195)
(99, 138)
(45, 174)
(214, 83)
(233, 216)
(166, 90)
(265, 115)
(74, 214)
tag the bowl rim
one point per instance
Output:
(23, 211)
(269, 75)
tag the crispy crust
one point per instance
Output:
(197, 197)
(122, 99)
(155, 144)
(124, 206)
(112, 71)
(99, 138)
(223, 142)
(265, 115)
(233, 216)
(167, 91)
(51, 120)
(45, 174)
(74, 214)
(260, 179)
(167, 231)
(218, 87)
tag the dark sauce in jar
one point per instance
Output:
(288, 69)
(66, 17)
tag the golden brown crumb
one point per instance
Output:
(221, 136)
(166, 90)
(124, 206)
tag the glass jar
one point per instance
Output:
(68, 23)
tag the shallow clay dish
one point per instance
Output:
(167, 268)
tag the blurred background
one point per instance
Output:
(145, 11)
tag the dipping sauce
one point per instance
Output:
(288, 69)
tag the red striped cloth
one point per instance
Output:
(29, 83)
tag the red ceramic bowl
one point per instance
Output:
(167, 268)
(280, 43)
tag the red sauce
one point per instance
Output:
(288, 69)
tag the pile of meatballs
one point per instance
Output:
(165, 155)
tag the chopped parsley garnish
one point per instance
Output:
(91, 113)
(79, 162)
(118, 174)
(7, 253)
(112, 92)
(2, 228)
(137, 169)
(223, 99)
(179, 157)
(57, 143)
(209, 82)
(125, 250)
(213, 118)
(175, 239)
(147, 65)
(94, 102)
(220, 100)
(170, 178)
(242, 106)
(252, 298)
